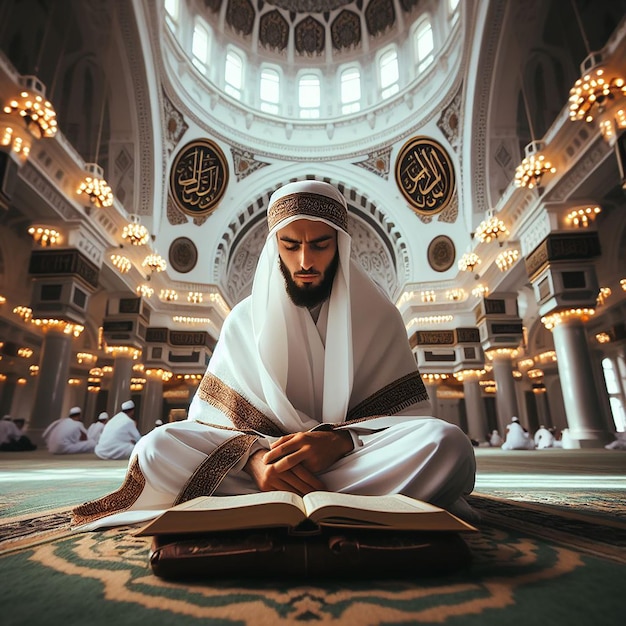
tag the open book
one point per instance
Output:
(322, 508)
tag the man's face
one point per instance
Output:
(308, 260)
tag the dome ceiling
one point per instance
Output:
(309, 21)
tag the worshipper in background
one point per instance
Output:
(312, 386)
(158, 423)
(95, 430)
(619, 443)
(567, 442)
(12, 438)
(68, 435)
(119, 435)
(495, 441)
(516, 437)
(543, 438)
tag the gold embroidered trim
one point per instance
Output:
(312, 204)
(210, 473)
(115, 502)
(392, 398)
(243, 414)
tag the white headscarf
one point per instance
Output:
(272, 319)
(284, 364)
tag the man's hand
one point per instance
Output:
(314, 450)
(297, 480)
(294, 460)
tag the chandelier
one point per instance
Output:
(122, 263)
(455, 295)
(583, 216)
(603, 294)
(169, 295)
(44, 236)
(31, 105)
(490, 229)
(145, 291)
(195, 297)
(594, 91)
(532, 168)
(480, 291)
(16, 139)
(428, 296)
(95, 187)
(506, 259)
(154, 262)
(135, 233)
(468, 262)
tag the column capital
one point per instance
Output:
(564, 316)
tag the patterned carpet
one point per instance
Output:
(543, 557)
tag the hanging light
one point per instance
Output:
(135, 233)
(582, 216)
(154, 262)
(603, 295)
(468, 262)
(44, 236)
(195, 297)
(480, 291)
(168, 295)
(506, 259)
(15, 138)
(533, 167)
(490, 229)
(455, 295)
(428, 296)
(95, 187)
(145, 291)
(595, 90)
(121, 262)
(31, 105)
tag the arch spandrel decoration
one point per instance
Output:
(198, 178)
(425, 175)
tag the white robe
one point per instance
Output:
(118, 438)
(95, 430)
(517, 438)
(275, 371)
(65, 437)
(544, 439)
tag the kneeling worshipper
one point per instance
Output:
(516, 437)
(12, 439)
(312, 386)
(68, 435)
(120, 434)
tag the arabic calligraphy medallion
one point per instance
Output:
(425, 175)
(199, 177)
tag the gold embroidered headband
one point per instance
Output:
(307, 204)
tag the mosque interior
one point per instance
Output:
(480, 144)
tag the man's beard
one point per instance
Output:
(309, 295)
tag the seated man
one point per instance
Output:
(312, 386)
(12, 438)
(517, 438)
(95, 430)
(68, 435)
(120, 434)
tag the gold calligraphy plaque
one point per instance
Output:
(199, 177)
(425, 175)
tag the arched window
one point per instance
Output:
(616, 395)
(350, 90)
(200, 46)
(309, 96)
(424, 44)
(269, 90)
(389, 73)
(172, 14)
(233, 77)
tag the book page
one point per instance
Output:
(221, 503)
(395, 503)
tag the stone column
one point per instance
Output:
(54, 368)
(8, 393)
(431, 385)
(90, 416)
(506, 399)
(152, 400)
(119, 390)
(580, 396)
(474, 407)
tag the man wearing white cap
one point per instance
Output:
(68, 435)
(120, 434)
(95, 430)
(311, 386)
